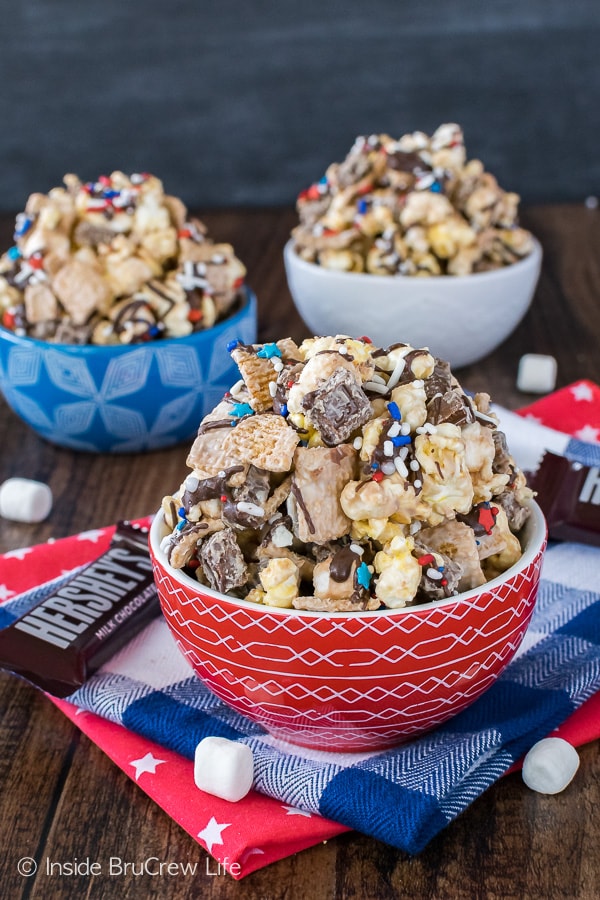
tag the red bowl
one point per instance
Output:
(351, 681)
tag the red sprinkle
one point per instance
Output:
(223, 498)
(8, 319)
(377, 476)
(365, 189)
(426, 560)
(195, 315)
(238, 282)
(105, 180)
(313, 192)
(444, 582)
(291, 384)
(36, 262)
(184, 233)
(365, 339)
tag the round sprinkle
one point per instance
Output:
(414, 465)
(223, 498)
(191, 482)
(357, 443)
(377, 476)
(13, 253)
(388, 467)
(418, 483)
(434, 574)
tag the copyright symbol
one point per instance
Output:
(27, 866)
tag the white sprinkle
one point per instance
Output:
(191, 482)
(400, 467)
(375, 386)
(276, 363)
(371, 569)
(434, 574)
(388, 467)
(342, 349)
(237, 387)
(251, 509)
(414, 465)
(356, 548)
(416, 526)
(405, 428)
(403, 453)
(221, 473)
(418, 483)
(394, 430)
(388, 448)
(272, 388)
(395, 376)
(357, 443)
(217, 259)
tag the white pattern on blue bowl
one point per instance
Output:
(122, 399)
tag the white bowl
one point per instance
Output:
(459, 318)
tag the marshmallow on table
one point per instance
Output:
(550, 766)
(24, 500)
(224, 768)
(537, 373)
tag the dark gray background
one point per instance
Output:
(234, 102)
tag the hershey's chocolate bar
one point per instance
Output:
(70, 633)
(569, 495)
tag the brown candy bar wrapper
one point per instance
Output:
(69, 634)
(569, 495)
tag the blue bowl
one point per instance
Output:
(122, 399)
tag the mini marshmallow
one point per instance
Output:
(550, 766)
(537, 373)
(24, 500)
(223, 768)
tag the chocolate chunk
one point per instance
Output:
(68, 634)
(434, 588)
(223, 562)
(452, 407)
(208, 488)
(92, 235)
(244, 507)
(403, 161)
(440, 380)
(503, 462)
(337, 408)
(516, 513)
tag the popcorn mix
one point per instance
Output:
(413, 206)
(116, 261)
(340, 476)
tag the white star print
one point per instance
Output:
(17, 554)
(588, 433)
(5, 593)
(294, 811)
(147, 763)
(212, 834)
(93, 536)
(582, 392)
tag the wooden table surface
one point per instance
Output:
(60, 796)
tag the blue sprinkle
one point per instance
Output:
(181, 512)
(23, 224)
(362, 206)
(154, 330)
(109, 194)
(268, 351)
(181, 525)
(436, 188)
(14, 253)
(374, 466)
(241, 409)
(363, 576)
(232, 345)
(323, 180)
(284, 409)
(394, 411)
(401, 440)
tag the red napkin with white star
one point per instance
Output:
(257, 830)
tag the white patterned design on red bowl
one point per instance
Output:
(351, 681)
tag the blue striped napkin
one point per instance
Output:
(403, 796)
